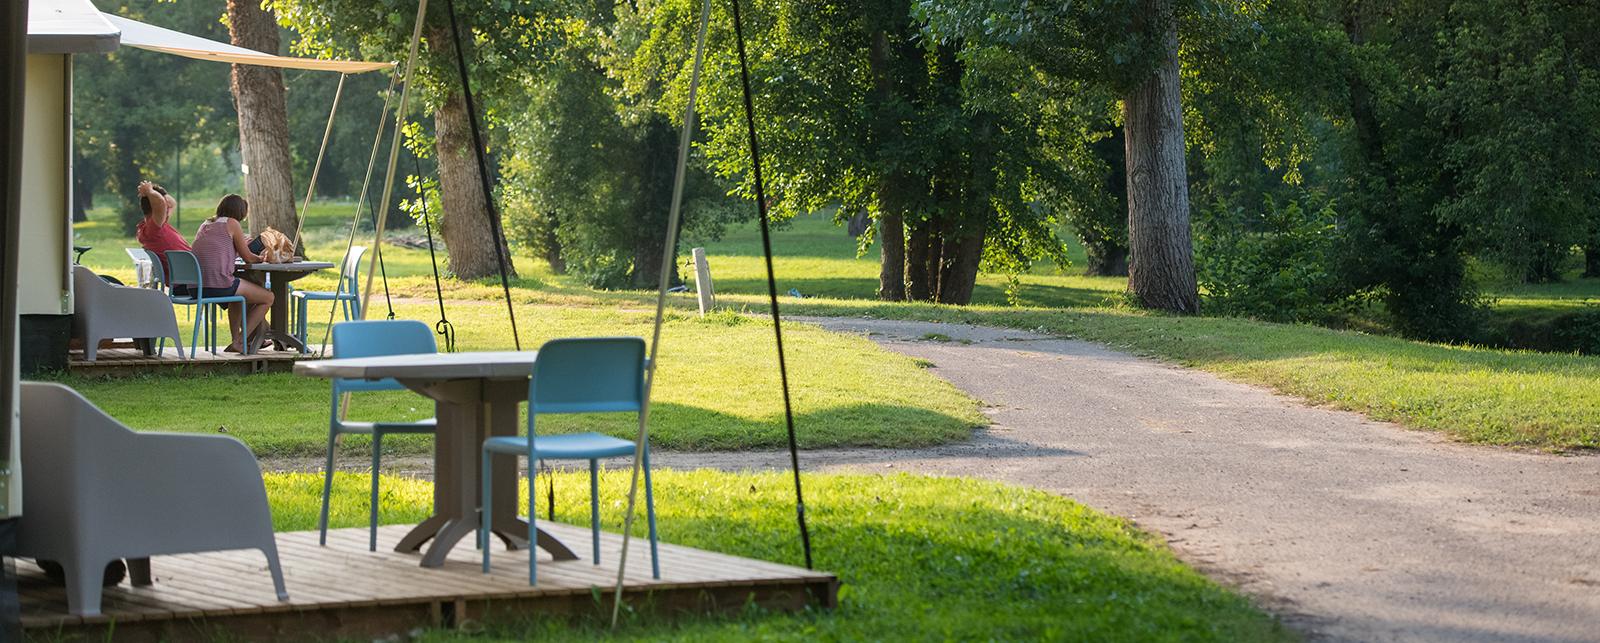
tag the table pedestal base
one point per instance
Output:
(470, 411)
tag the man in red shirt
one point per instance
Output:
(154, 232)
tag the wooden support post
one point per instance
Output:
(702, 282)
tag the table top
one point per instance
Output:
(425, 366)
(298, 266)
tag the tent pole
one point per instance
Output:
(772, 282)
(668, 245)
(366, 183)
(382, 211)
(300, 221)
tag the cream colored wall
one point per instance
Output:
(46, 227)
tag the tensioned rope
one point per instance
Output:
(300, 219)
(479, 152)
(444, 328)
(394, 157)
(669, 245)
(366, 184)
(772, 282)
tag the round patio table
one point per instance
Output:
(476, 396)
(282, 274)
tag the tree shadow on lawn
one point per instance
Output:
(932, 558)
(845, 288)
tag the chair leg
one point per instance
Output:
(194, 338)
(485, 516)
(533, 527)
(176, 343)
(139, 572)
(327, 490)
(650, 517)
(271, 550)
(91, 345)
(594, 506)
(372, 520)
(84, 583)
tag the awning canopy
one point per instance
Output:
(68, 27)
(153, 38)
(76, 26)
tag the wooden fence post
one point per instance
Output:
(702, 281)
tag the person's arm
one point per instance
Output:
(158, 203)
(241, 243)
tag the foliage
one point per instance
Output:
(136, 111)
(1278, 265)
(589, 176)
(918, 558)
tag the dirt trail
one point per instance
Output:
(1351, 529)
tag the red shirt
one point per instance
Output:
(160, 240)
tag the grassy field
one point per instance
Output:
(1479, 395)
(920, 558)
(717, 388)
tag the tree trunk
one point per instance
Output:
(125, 173)
(1591, 259)
(922, 260)
(1105, 260)
(258, 94)
(464, 223)
(959, 273)
(1161, 273)
(657, 156)
(82, 197)
(892, 257)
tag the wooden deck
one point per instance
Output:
(123, 359)
(344, 591)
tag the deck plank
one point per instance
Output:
(373, 594)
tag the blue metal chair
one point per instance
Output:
(581, 375)
(186, 272)
(346, 294)
(371, 339)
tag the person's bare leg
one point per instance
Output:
(260, 301)
(234, 317)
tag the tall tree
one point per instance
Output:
(1161, 268)
(500, 39)
(263, 120)
(1130, 49)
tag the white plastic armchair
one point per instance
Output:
(103, 310)
(95, 491)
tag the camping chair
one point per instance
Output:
(96, 491)
(186, 272)
(371, 339)
(581, 375)
(345, 294)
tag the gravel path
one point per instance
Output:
(1349, 529)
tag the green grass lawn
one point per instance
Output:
(718, 388)
(919, 558)
(1480, 395)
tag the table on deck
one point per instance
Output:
(282, 274)
(476, 396)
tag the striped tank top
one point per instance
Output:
(213, 246)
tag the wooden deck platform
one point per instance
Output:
(344, 591)
(123, 359)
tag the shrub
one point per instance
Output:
(1277, 265)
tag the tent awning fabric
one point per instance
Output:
(153, 38)
(68, 27)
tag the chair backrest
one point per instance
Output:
(350, 272)
(587, 375)
(185, 270)
(377, 338)
(157, 273)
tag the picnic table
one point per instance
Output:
(281, 274)
(476, 395)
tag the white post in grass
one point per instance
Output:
(702, 282)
